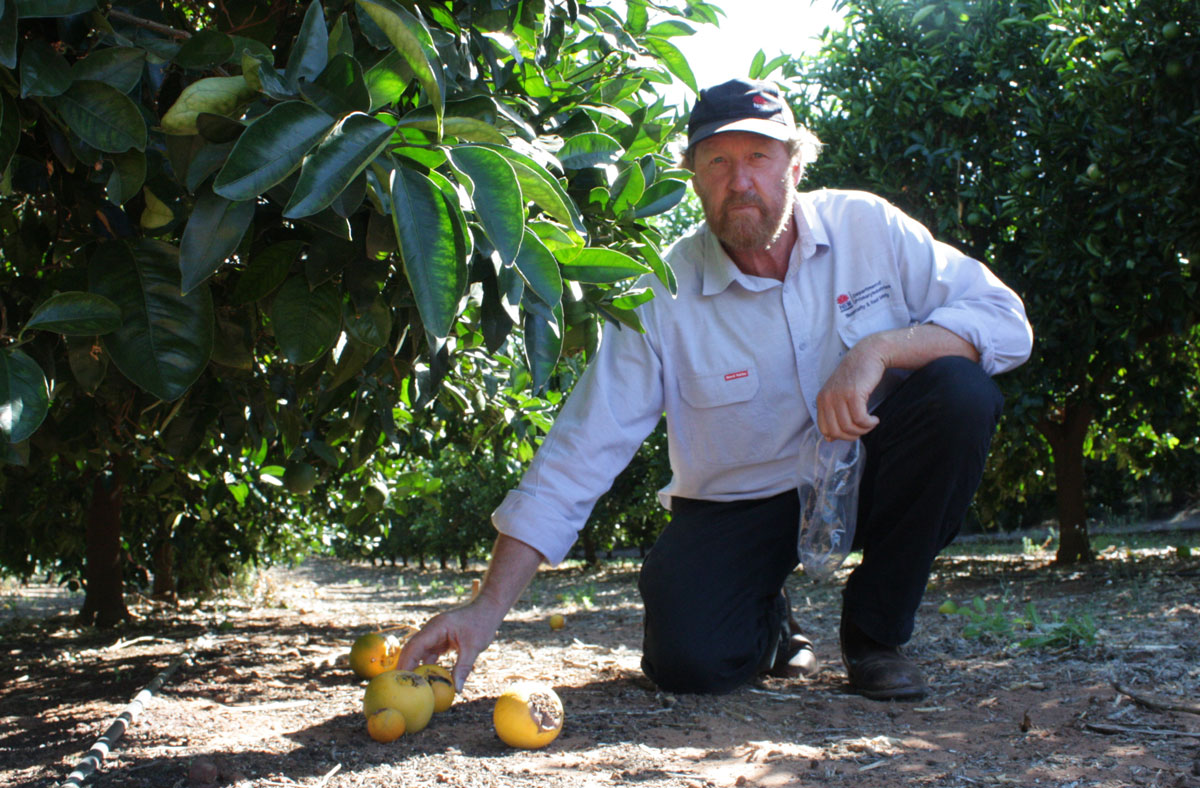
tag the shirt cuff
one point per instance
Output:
(524, 518)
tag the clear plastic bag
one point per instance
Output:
(829, 508)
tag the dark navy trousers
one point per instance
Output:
(711, 584)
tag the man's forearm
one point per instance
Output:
(513, 565)
(916, 346)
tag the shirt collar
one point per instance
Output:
(718, 271)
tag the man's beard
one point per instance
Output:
(745, 231)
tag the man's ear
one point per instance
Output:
(797, 172)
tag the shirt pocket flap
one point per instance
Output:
(862, 326)
(714, 389)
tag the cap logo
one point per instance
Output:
(759, 101)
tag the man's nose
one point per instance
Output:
(740, 179)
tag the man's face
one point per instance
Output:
(745, 183)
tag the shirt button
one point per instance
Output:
(802, 346)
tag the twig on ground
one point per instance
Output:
(1156, 704)
(1100, 727)
(329, 774)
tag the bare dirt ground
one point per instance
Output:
(268, 700)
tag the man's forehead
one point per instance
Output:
(748, 139)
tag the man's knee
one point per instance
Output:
(960, 394)
(690, 662)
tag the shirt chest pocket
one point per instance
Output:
(724, 420)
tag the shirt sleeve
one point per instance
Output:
(616, 403)
(945, 287)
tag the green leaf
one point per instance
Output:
(266, 271)
(602, 266)
(629, 188)
(426, 234)
(8, 35)
(340, 89)
(413, 41)
(102, 116)
(165, 338)
(676, 63)
(372, 326)
(493, 186)
(466, 129)
(44, 72)
(756, 65)
(353, 144)
(206, 49)
(543, 340)
(538, 185)
(259, 72)
(120, 67)
(10, 129)
(589, 150)
(341, 37)
(217, 95)
(539, 269)
(76, 313)
(212, 234)
(29, 9)
(270, 149)
(661, 197)
(306, 322)
(387, 80)
(24, 396)
(310, 51)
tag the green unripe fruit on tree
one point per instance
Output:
(1171, 30)
(1094, 172)
(299, 478)
(1174, 69)
(374, 497)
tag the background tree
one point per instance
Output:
(1050, 140)
(244, 244)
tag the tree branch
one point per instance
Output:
(1157, 705)
(157, 27)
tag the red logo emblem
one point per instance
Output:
(745, 373)
(843, 298)
(760, 101)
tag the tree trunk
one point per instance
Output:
(1066, 443)
(589, 546)
(104, 604)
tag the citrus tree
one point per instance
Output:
(244, 242)
(1052, 140)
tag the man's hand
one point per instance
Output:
(842, 402)
(467, 631)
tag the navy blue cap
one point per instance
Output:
(741, 105)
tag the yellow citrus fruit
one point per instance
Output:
(405, 691)
(557, 621)
(528, 715)
(386, 725)
(374, 653)
(442, 684)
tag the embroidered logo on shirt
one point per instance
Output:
(844, 302)
(745, 373)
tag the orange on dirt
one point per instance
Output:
(557, 621)
(386, 725)
(442, 684)
(528, 715)
(407, 692)
(374, 653)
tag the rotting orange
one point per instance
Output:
(407, 692)
(442, 683)
(528, 714)
(386, 725)
(374, 653)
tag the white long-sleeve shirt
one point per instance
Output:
(736, 361)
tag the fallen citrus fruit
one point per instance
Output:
(442, 684)
(405, 691)
(386, 725)
(374, 653)
(557, 621)
(528, 715)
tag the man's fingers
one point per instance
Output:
(463, 667)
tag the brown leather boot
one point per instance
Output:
(794, 656)
(877, 671)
